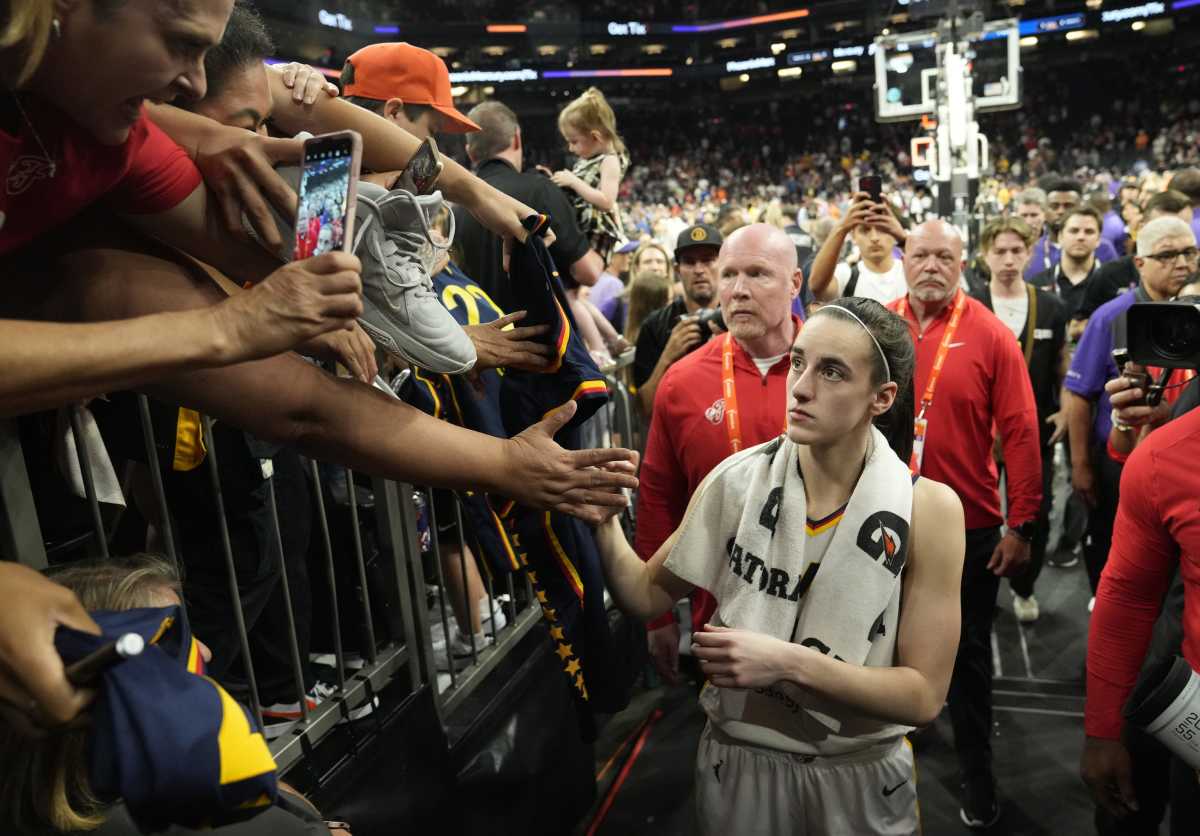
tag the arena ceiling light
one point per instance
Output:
(548, 49)
(728, 43)
(443, 51)
(654, 49)
(458, 91)
(757, 20)
(777, 48)
(1138, 25)
(507, 28)
(496, 51)
(1082, 35)
(1095, 4)
(1029, 41)
(790, 72)
(843, 67)
(599, 49)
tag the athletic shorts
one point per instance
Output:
(753, 791)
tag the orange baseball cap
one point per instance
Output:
(406, 72)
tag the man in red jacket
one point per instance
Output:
(971, 378)
(728, 395)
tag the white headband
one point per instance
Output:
(886, 368)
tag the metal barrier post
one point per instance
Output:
(330, 575)
(442, 595)
(156, 480)
(89, 486)
(352, 498)
(397, 522)
(20, 532)
(288, 609)
(234, 594)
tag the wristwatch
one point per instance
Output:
(1024, 531)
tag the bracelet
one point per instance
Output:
(1117, 425)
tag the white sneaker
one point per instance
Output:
(278, 719)
(459, 651)
(1025, 609)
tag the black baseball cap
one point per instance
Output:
(700, 235)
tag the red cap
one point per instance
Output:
(409, 73)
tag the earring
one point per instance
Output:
(56, 28)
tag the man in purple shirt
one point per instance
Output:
(1187, 181)
(1166, 258)
(1062, 196)
(606, 292)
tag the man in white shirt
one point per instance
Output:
(878, 274)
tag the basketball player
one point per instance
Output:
(815, 674)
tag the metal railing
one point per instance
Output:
(384, 658)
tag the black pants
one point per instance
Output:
(206, 585)
(1100, 519)
(1023, 583)
(971, 683)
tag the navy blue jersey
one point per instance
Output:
(526, 397)
(557, 552)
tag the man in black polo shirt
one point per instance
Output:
(497, 152)
(669, 333)
(1116, 277)
(1038, 320)
(1068, 279)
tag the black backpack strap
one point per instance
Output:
(853, 283)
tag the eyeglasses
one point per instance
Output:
(1169, 256)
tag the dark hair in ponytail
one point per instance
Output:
(891, 332)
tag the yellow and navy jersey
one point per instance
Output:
(173, 744)
(557, 552)
(526, 397)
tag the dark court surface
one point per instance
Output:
(1038, 736)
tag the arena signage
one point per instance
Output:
(749, 64)
(629, 27)
(1133, 12)
(335, 20)
(492, 76)
(1045, 25)
(808, 57)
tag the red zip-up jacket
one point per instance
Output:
(1157, 528)
(984, 385)
(688, 439)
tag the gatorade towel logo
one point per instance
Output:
(884, 536)
(699, 234)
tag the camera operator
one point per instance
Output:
(1133, 777)
(672, 331)
(1166, 258)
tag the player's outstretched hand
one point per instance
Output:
(584, 483)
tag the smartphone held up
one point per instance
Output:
(328, 193)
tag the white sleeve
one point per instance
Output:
(841, 275)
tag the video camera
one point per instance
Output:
(705, 316)
(1164, 334)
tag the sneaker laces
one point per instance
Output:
(422, 241)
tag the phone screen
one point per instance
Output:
(423, 169)
(872, 184)
(325, 199)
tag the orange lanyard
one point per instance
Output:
(733, 421)
(940, 359)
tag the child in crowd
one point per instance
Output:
(589, 126)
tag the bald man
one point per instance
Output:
(692, 428)
(983, 383)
